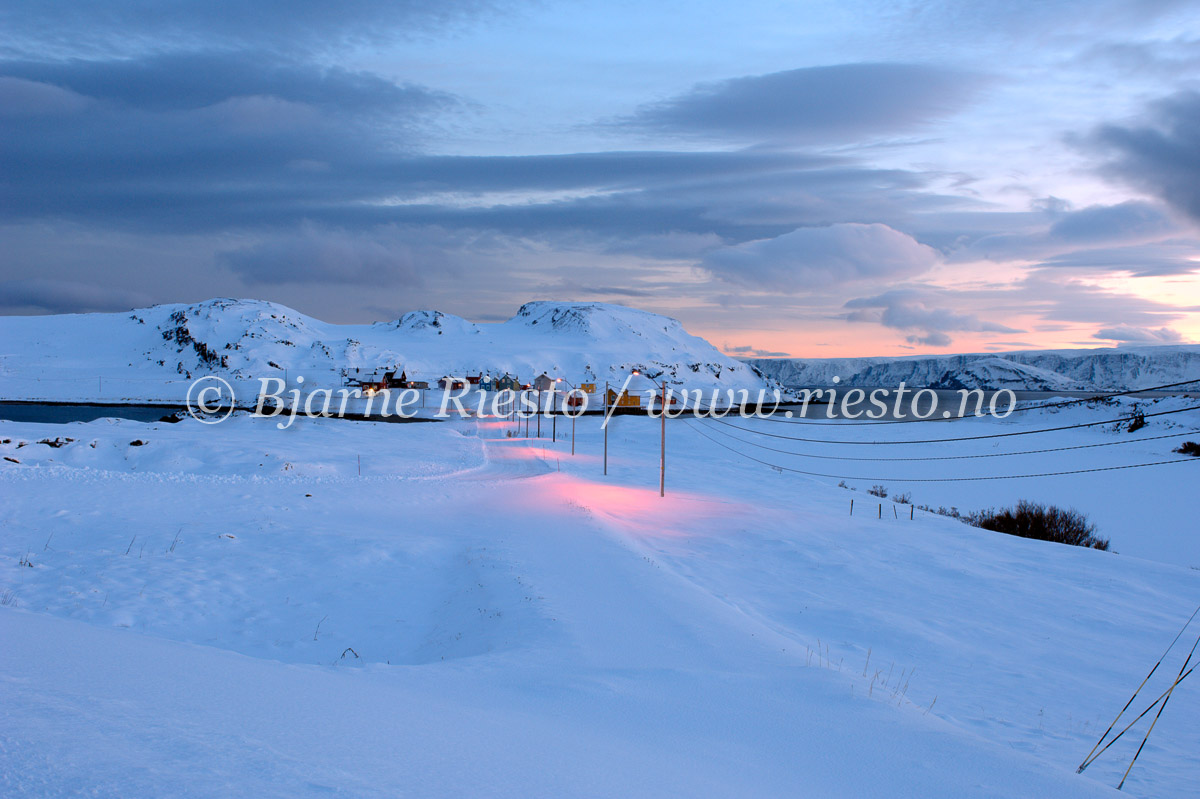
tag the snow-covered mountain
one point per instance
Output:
(151, 352)
(1037, 370)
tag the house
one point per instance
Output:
(475, 379)
(658, 401)
(587, 388)
(506, 383)
(369, 381)
(623, 400)
(544, 382)
(372, 380)
(452, 382)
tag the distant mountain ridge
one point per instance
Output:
(1110, 369)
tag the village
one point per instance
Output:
(551, 394)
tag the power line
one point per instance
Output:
(1019, 409)
(965, 438)
(935, 479)
(942, 457)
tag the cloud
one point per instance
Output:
(196, 141)
(65, 296)
(933, 339)
(815, 257)
(321, 256)
(814, 103)
(26, 98)
(1159, 258)
(990, 26)
(1155, 59)
(996, 346)
(1050, 204)
(206, 141)
(190, 80)
(1077, 232)
(1128, 334)
(274, 147)
(62, 26)
(219, 141)
(919, 309)
(930, 313)
(1127, 221)
(1161, 157)
(568, 289)
(746, 351)
(1044, 293)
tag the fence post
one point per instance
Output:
(851, 507)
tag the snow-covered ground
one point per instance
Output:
(236, 610)
(1140, 510)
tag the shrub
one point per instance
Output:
(942, 510)
(1043, 522)
(1137, 422)
(878, 491)
(1189, 448)
(903, 499)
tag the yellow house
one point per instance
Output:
(624, 400)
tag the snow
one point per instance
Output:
(1104, 369)
(234, 609)
(1136, 508)
(106, 448)
(153, 354)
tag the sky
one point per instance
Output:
(811, 179)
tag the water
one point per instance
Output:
(54, 413)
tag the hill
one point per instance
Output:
(153, 353)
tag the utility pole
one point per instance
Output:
(662, 459)
(605, 427)
(573, 433)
